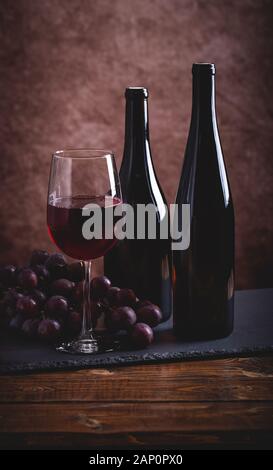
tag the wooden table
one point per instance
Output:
(215, 403)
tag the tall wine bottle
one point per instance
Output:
(204, 273)
(143, 265)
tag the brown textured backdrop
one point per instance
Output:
(64, 66)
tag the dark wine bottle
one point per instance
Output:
(143, 265)
(204, 272)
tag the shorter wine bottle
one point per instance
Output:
(143, 265)
(204, 273)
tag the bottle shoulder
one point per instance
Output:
(204, 182)
(139, 181)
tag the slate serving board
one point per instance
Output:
(253, 334)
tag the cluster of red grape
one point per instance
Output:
(43, 300)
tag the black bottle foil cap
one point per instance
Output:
(203, 67)
(136, 91)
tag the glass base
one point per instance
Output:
(94, 344)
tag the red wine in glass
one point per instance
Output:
(65, 221)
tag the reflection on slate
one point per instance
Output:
(253, 334)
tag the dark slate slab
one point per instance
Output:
(253, 334)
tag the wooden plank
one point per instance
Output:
(126, 418)
(232, 379)
(175, 440)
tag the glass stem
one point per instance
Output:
(87, 327)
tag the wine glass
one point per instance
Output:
(80, 179)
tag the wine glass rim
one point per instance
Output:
(89, 153)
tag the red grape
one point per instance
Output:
(112, 295)
(112, 320)
(27, 279)
(30, 327)
(99, 287)
(56, 306)
(27, 306)
(150, 314)
(43, 275)
(57, 266)
(75, 271)
(62, 287)
(126, 297)
(127, 317)
(49, 329)
(142, 335)
(38, 257)
(11, 296)
(38, 296)
(142, 303)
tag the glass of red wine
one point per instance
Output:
(79, 178)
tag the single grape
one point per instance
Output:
(42, 274)
(99, 287)
(8, 275)
(74, 323)
(11, 296)
(126, 316)
(49, 329)
(112, 320)
(126, 297)
(75, 271)
(16, 322)
(62, 287)
(57, 266)
(112, 295)
(150, 314)
(27, 306)
(30, 327)
(141, 335)
(38, 257)
(56, 306)
(38, 296)
(142, 303)
(27, 279)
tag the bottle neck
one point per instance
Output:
(203, 100)
(136, 129)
